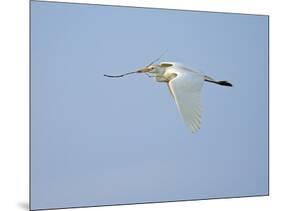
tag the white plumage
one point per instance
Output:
(185, 85)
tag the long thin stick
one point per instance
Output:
(119, 76)
(157, 59)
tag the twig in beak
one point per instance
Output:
(156, 59)
(119, 76)
(144, 70)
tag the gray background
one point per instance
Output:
(98, 141)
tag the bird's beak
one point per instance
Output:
(143, 70)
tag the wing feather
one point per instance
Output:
(186, 89)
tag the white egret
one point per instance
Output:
(185, 86)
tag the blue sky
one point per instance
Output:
(99, 141)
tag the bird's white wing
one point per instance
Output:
(186, 89)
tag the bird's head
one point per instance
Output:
(155, 68)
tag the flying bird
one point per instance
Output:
(185, 86)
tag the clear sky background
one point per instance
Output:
(99, 141)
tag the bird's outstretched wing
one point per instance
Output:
(186, 89)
